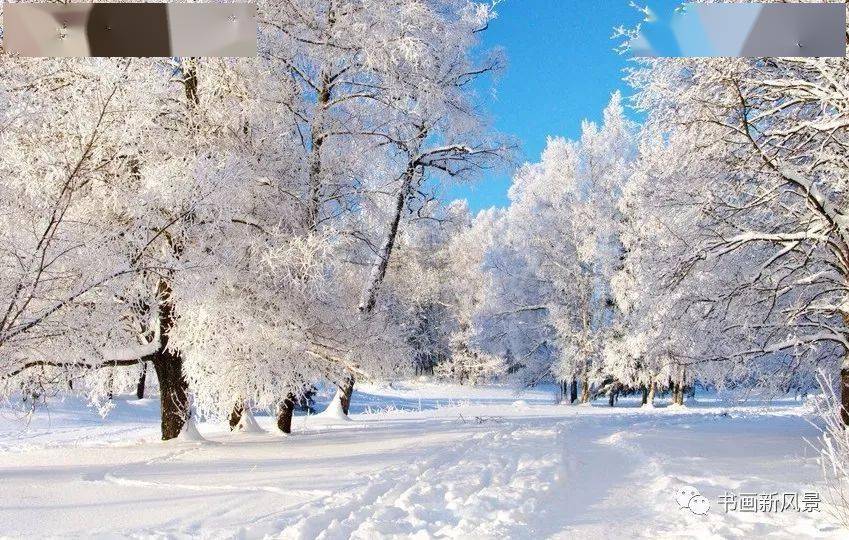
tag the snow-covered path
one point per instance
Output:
(423, 466)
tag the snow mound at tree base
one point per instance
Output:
(190, 432)
(248, 424)
(334, 411)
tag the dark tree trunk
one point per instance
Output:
(142, 380)
(236, 415)
(585, 389)
(611, 395)
(347, 391)
(168, 365)
(190, 84)
(110, 394)
(844, 395)
(644, 389)
(172, 393)
(317, 140)
(378, 273)
(573, 391)
(368, 298)
(678, 394)
(284, 414)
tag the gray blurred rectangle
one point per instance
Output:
(132, 29)
(746, 30)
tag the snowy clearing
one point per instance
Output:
(413, 461)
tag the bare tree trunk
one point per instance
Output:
(652, 390)
(645, 391)
(236, 415)
(844, 395)
(110, 394)
(347, 389)
(611, 394)
(317, 138)
(284, 413)
(678, 393)
(172, 393)
(573, 391)
(142, 380)
(378, 272)
(585, 388)
(168, 365)
(368, 297)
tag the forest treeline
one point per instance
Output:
(240, 230)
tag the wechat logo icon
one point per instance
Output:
(690, 498)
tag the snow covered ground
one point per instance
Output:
(415, 460)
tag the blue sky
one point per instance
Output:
(561, 69)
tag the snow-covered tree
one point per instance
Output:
(743, 201)
(71, 194)
(766, 232)
(433, 130)
(553, 307)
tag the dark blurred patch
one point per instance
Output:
(129, 30)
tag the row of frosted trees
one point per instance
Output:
(240, 226)
(247, 228)
(710, 244)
